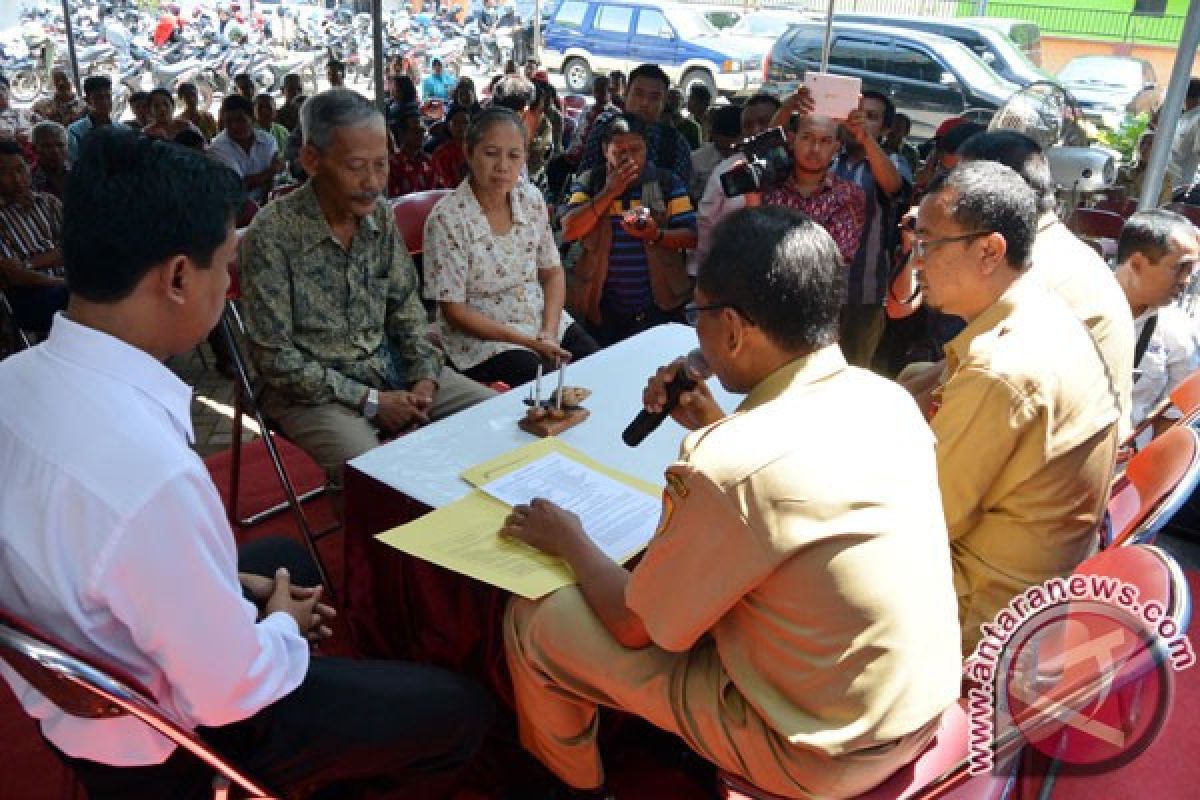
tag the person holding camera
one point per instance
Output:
(714, 203)
(812, 187)
(634, 220)
(886, 181)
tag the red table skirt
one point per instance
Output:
(401, 607)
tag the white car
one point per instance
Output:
(760, 29)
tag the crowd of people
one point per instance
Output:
(862, 528)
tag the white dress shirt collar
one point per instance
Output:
(95, 350)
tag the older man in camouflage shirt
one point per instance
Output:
(333, 313)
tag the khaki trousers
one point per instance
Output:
(860, 327)
(332, 434)
(565, 665)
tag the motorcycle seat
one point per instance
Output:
(173, 70)
(95, 52)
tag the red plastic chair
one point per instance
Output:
(247, 214)
(87, 687)
(575, 102)
(411, 211)
(1157, 482)
(940, 771)
(282, 191)
(1187, 210)
(1096, 223)
(1117, 679)
(1186, 396)
(1118, 203)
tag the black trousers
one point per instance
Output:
(518, 366)
(615, 326)
(350, 726)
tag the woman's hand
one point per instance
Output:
(549, 349)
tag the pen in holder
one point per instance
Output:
(555, 414)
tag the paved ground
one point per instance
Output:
(212, 402)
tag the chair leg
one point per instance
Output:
(220, 786)
(235, 464)
(244, 400)
(293, 502)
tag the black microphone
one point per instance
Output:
(694, 368)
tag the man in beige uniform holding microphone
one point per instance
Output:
(793, 619)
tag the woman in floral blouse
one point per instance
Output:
(492, 265)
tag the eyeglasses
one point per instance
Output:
(691, 312)
(921, 246)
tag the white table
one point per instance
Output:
(426, 464)
(405, 608)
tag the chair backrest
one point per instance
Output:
(1186, 209)
(1118, 202)
(247, 213)
(411, 211)
(1186, 396)
(1066, 672)
(1155, 573)
(281, 191)
(1096, 223)
(84, 686)
(1157, 481)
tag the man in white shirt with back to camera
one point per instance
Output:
(114, 539)
(1156, 255)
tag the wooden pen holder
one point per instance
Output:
(545, 422)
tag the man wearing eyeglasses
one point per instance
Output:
(1157, 253)
(793, 618)
(1026, 424)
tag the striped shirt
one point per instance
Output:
(665, 147)
(627, 285)
(867, 277)
(27, 231)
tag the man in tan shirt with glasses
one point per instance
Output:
(1025, 420)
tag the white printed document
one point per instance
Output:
(834, 96)
(619, 518)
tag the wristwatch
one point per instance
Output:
(371, 406)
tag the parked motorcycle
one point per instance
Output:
(24, 74)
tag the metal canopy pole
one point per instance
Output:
(377, 43)
(1168, 119)
(828, 36)
(71, 44)
(537, 30)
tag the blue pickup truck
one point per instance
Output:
(588, 37)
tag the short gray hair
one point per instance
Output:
(324, 113)
(488, 119)
(514, 92)
(46, 128)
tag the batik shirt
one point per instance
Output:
(325, 322)
(838, 206)
(408, 174)
(64, 112)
